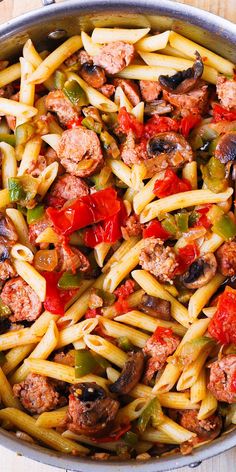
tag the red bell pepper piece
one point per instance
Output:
(115, 435)
(203, 220)
(85, 211)
(128, 122)
(188, 123)
(122, 292)
(222, 326)
(56, 298)
(155, 229)
(108, 231)
(159, 124)
(160, 334)
(74, 123)
(170, 185)
(185, 257)
(222, 114)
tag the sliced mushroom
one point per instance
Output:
(4, 253)
(172, 146)
(226, 147)
(159, 107)
(200, 272)
(7, 230)
(156, 307)
(130, 375)
(185, 80)
(93, 75)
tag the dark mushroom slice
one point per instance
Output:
(4, 252)
(200, 272)
(93, 75)
(156, 307)
(157, 107)
(185, 80)
(226, 147)
(7, 230)
(172, 146)
(130, 375)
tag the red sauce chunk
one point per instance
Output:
(222, 327)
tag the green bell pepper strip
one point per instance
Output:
(108, 298)
(8, 138)
(213, 174)
(152, 413)
(90, 123)
(59, 79)
(182, 221)
(85, 363)
(35, 214)
(102, 363)
(130, 438)
(109, 144)
(124, 343)
(23, 133)
(69, 281)
(75, 93)
(16, 190)
(225, 227)
(169, 225)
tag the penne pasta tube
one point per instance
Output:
(61, 372)
(192, 371)
(31, 55)
(148, 323)
(15, 356)
(120, 170)
(6, 393)
(211, 244)
(27, 91)
(139, 391)
(49, 437)
(175, 431)
(11, 107)
(52, 139)
(132, 411)
(202, 296)
(48, 236)
(48, 176)
(199, 388)
(4, 198)
(96, 98)
(21, 227)
(100, 252)
(173, 52)
(209, 311)
(106, 349)
(80, 344)
(208, 406)
(45, 347)
(9, 163)
(116, 330)
(73, 333)
(138, 111)
(40, 326)
(17, 338)
(182, 200)
(153, 43)
(156, 436)
(119, 271)
(33, 278)
(30, 155)
(178, 63)
(90, 45)
(121, 100)
(177, 400)
(55, 59)
(109, 35)
(123, 249)
(52, 419)
(140, 72)
(22, 253)
(138, 174)
(210, 58)
(10, 74)
(152, 287)
(189, 172)
(145, 195)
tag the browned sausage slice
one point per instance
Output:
(57, 102)
(226, 91)
(226, 258)
(130, 88)
(150, 90)
(207, 429)
(71, 259)
(37, 394)
(159, 260)
(190, 103)
(66, 188)
(114, 57)
(80, 151)
(107, 89)
(21, 299)
(222, 379)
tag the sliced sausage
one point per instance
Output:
(150, 90)
(35, 229)
(115, 56)
(78, 58)
(80, 151)
(222, 379)
(159, 260)
(93, 74)
(130, 88)
(7, 270)
(158, 349)
(66, 188)
(22, 300)
(207, 429)
(90, 410)
(132, 227)
(130, 375)
(226, 258)
(132, 153)
(190, 103)
(65, 359)
(37, 394)
(57, 102)
(107, 89)
(226, 91)
(71, 259)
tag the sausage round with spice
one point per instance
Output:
(22, 300)
(6, 268)
(37, 394)
(226, 91)
(150, 90)
(158, 348)
(57, 102)
(90, 410)
(66, 187)
(190, 103)
(207, 429)
(226, 258)
(159, 260)
(115, 56)
(80, 151)
(222, 383)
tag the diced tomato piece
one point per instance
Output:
(159, 124)
(75, 123)
(115, 435)
(108, 231)
(56, 298)
(222, 326)
(128, 122)
(170, 185)
(154, 228)
(185, 257)
(160, 334)
(222, 114)
(125, 289)
(188, 123)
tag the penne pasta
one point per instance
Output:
(208, 406)
(198, 390)
(153, 43)
(138, 112)
(15, 356)
(121, 170)
(52, 419)
(52, 139)
(27, 91)
(106, 349)
(10, 74)
(48, 236)
(116, 330)
(36, 281)
(30, 155)
(132, 411)
(148, 323)
(4, 198)
(73, 333)
(21, 227)
(138, 174)
(140, 72)
(90, 45)
(175, 431)
(96, 98)
(100, 252)
(121, 100)
(201, 297)
(32, 56)
(22, 253)
(123, 249)
(211, 244)
(11, 107)
(189, 172)
(156, 436)
(192, 371)
(182, 200)
(9, 164)
(7, 396)
(109, 35)
(145, 195)
(47, 178)
(17, 338)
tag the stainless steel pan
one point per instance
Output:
(45, 27)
